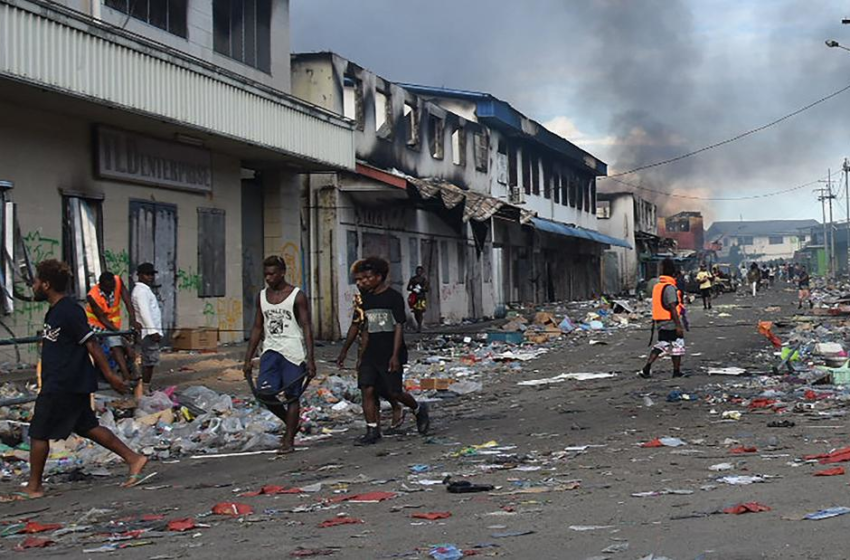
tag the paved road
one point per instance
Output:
(543, 483)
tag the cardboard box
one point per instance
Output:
(435, 384)
(202, 338)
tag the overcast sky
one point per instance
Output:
(632, 81)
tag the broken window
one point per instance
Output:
(241, 30)
(581, 191)
(383, 113)
(592, 195)
(436, 128)
(513, 173)
(82, 241)
(352, 100)
(535, 175)
(168, 15)
(603, 209)
(461, 262)
(211, 252)
(556, 188)
(776, 240)
(526, 171)
(547, 181)
(459, 147)
(481, 151)
(411, 119)
(502, 163)
(444, 262)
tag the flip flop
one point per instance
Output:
(137, 479)
(18, 497)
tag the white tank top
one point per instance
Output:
(282, 332)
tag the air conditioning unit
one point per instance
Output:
(516, 195)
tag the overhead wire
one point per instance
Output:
(713, 198)
(734, 138)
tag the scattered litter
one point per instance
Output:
(828, 513)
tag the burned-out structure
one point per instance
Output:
(494, 206)
(633, 218)
(686, 228)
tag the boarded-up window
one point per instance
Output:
(82, 242)
(351, 251)
(445, 277)
(481, 149)
(211, 252)
(461, 263)
(413, 244)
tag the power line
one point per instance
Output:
(711, 198)
(734, 138)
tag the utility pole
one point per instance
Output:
(846, 168)
(825, 194)
(832, 267)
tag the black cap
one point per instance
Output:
(145, 268)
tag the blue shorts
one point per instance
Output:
(277, 374)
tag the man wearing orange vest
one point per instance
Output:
(104, 314)
(667, 310)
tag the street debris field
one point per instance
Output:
(551, 447)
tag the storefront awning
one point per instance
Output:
(476, 206)
(557, 228)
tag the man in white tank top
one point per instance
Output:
(282, 321)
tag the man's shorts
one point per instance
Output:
(670, 343)
(114, 341)
(277, 374)
(385, 383)
(150, 351)
(56, 415)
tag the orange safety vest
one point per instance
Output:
(659, 312)
(113, 313)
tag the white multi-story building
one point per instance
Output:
(769, 240)
(135, 130)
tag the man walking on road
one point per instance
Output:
(282, 320)
(803, 285)
(149, 315)
(667, 310)
(68, 379)
(704, 277)
(383, 350)
(754, 277)
(103, 310)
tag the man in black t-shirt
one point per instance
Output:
(383, 349)
(67, 380)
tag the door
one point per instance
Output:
(431, 260)
(473, 281)
(252, 251)
(153, 238)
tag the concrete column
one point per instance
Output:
(282, 222)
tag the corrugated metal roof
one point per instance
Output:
(70, 54)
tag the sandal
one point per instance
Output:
(137, 479)
(18, 497)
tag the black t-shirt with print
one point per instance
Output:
(383, 312)
(65, 363)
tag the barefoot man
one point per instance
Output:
(283, 321)
(67, 380)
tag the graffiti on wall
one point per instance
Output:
(117, 262)
(188, 280)
(292, 257)
(40, 247)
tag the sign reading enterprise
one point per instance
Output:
(140, 159)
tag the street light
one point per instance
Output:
(831, 43)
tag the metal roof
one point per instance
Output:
(557, 228)
(760, 228)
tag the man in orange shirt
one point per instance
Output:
(667, 311)
(103, 311)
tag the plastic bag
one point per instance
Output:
(156, 402)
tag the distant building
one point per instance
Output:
(766, 240)
(627, 216)
(685, 228)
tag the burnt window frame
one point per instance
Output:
(459, 151)
(412, 124)
(481, 151)
(436, 136)
(385, 131)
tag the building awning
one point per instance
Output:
(557, 228)
(476, 206)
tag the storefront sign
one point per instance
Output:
(130, 157)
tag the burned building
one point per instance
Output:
(686, 228)
(494, 206)
(627, 215)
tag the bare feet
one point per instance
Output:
(135, 466)
(26, 493)
(286, 447)
(398, 417)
